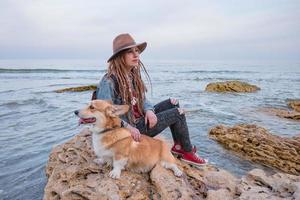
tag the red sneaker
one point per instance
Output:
(193, 159)
(178, 150)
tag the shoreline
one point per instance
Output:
(71, 171)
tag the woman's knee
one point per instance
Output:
(174, 102)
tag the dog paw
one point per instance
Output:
(99, 161)
(115, 174)
(178, 173)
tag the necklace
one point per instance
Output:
(129, 82)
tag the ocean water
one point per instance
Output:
(34, 118)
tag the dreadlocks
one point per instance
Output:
(117, 68)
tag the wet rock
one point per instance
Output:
(231, 86)
(257, 144)
(77, 89)
(294, 104)
(293, 115)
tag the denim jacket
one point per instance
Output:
(107, 90)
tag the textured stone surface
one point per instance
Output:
(231, 86)
(77, 89)
(294, 115)
(72, 174)
(257, 144)
(294, 104)
(258, 185)
(174, 187)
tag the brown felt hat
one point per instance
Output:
(125, 41)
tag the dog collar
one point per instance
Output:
(108, 129)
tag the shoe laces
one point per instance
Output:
(198, 158)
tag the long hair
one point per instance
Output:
(116, 68)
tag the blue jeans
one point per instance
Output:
(168, 116)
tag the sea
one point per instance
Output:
(34, 118)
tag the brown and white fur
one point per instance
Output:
(114, 145)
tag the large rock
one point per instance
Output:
(72, 174)
(294, 104)
(283, 113)
(257, 144)
(231, 86)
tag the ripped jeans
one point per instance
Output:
(168, 116)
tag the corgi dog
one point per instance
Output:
(115, 146)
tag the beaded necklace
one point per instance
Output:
(129, 82)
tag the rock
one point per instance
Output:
(77, 89)
(231, 86)
(294, 115)
(220, 179)
(294, 104)
(296, 188)
(285, 113)
(257, 144)
(221, 184)
(72, 174)
(257, 185)
(171, 187)
(221, 194)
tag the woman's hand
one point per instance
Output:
(135, 133)
(151, 118)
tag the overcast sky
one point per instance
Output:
(186, 29)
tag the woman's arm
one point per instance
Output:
(150, 116)
(148, 105)
(105, 89)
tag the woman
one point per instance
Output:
(123, 85)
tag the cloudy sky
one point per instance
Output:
(189, 29)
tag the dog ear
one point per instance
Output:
(117, 110)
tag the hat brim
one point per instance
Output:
(142, 46)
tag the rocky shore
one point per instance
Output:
(283, 113)
(77, 89)
(257, 144)
(72, 174)
(292, 113)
